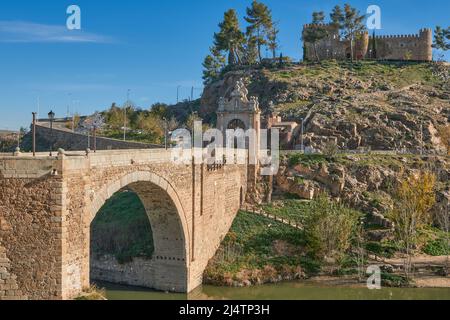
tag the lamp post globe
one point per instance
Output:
(51, 117)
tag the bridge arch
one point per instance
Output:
(168, 269)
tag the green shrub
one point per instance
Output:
(438, 247)
(307, 160)
(394, 280)
(329, 228)
(384, 250)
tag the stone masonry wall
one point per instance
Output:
(417, 47)
(405, 47)
(137, 273)
(9, 289)
(70, 141)
(30, 216)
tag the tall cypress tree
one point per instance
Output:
(374, 46)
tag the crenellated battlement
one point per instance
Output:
(422, 33)
(315, 25)
(399, 36)
(416, 46)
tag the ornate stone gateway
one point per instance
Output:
(47, 205)
(239, 112)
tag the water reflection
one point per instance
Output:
(281, 291)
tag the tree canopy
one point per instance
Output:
(230, 37)
(441, 38)
(259, 18)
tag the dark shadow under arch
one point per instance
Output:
(167, 267)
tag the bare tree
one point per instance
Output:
(360, 239)
(94, 123)
(414, 199)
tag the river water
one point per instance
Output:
(280, 291)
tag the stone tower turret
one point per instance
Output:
(426, 43)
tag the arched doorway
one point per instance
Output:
(240, 140)
(156, 260)
(236, 124)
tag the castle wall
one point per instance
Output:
(330, 48)
(399, 47)
(70, 141)
(405, 47)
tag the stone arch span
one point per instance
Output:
(168, 269)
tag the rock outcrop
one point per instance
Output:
(363, 181)
(378, 106)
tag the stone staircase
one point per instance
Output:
(260, 212)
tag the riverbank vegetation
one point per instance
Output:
(260, 250)
(122, 229)
(335, 240)
(93, 293)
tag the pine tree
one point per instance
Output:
(352, 26)
(273, 40)
(316, 33)
(230, 38)
(441, 38)
(250, 50)
(318, 17)
(337, 17)
(260, 22)
(213, 66)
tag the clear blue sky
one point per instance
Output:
(150, 47)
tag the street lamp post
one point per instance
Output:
(51, 116)
(34, 134)
(95, 139)
(165, 132)
(125, 116)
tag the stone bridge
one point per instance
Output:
(47, 205)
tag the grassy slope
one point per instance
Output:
(309, 79)
(398, 74)
(259, 250)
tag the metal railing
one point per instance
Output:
(271, 216)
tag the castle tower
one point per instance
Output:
(329, 48)
(361, 45)
(426, 44)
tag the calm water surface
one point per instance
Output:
(280, 291)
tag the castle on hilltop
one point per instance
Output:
(417, 47)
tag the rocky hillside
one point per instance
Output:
(377, 105)
(365, 182)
